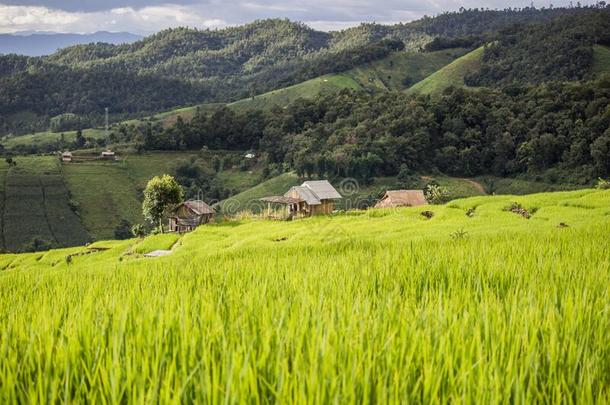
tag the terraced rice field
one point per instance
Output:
(36, 206)
(472, 304)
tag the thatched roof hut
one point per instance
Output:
(402, 198)
(318, 197)
(189, 215)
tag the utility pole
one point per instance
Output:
(106, 134)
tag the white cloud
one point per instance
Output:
(143, 20)
(146, 16)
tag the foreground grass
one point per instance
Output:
(372, 306)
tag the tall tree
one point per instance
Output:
(161, 194)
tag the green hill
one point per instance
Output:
(480, 307)
(451, 75)
(395, 72)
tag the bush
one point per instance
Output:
(602, 184)
(138, 231)
(436, 194)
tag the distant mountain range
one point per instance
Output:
(45, 43)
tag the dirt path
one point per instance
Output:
(476, 185)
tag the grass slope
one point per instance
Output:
(401, 69)
(451, 75)
(308, 89)
(36, 205)
(395, 72)
(382, 305)
(47, 137)
(105, 194)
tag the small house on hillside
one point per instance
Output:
(189, 215)
(402, 198)
(66, 157)
(317, 197)
(108, 154)
(310, 198)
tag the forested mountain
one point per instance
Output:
(187, 66)
(559, 131)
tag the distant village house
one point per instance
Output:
(189, 215)
(310, 198)
(402, 198)
(66, 157)
(108, 154)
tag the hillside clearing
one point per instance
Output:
(451, 75)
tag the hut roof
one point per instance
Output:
(322, 189)
(198, 207)
(66, 153)
(280, 199)
(305, 194)
(402, 198)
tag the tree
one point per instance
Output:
(123, 230)
(600, 152)
(160, 195)
(436, 194)
(80, 139)
(138, 230)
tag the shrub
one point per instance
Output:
(602, 184)
(436, 194)
(138, 231)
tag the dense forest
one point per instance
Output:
(552, 132)
(188, 66)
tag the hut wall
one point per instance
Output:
(325, 208)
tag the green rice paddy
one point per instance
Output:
(366, 306)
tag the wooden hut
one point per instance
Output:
(402, 198)
(316, 197)
(108, 154)
(189, 215)
(291, 205)
(66, 157)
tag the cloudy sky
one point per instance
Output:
(146, 16)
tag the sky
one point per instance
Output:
(148, 16)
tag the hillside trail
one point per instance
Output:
(475, 183)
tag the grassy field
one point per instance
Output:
(451, 75)
(308, 89)
(47, 137)
(372, 306)
(36, 205)
(402, 69)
